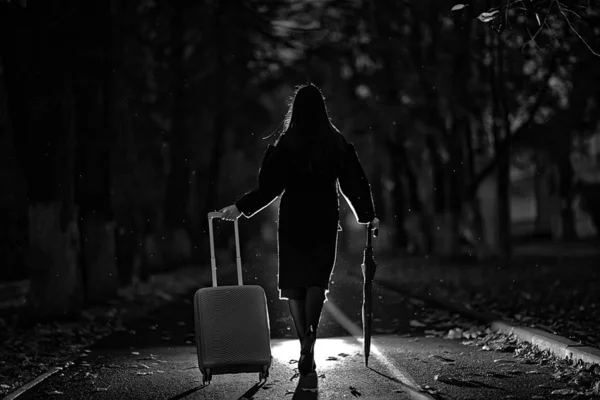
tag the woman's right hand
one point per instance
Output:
(230, 213)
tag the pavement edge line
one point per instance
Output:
(29, 385)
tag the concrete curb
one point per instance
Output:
(30, 384)
(559, 346)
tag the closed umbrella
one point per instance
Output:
(368, 267)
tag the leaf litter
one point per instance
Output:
(28, 350)
(577, 380)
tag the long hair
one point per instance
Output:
(308, 132)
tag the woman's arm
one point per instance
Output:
(355, 187)
(271, 183)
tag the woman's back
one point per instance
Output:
(308, 161)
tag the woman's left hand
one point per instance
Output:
(375, 226)
(231, 213)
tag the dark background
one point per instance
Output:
(122, 123)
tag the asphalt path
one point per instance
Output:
(155, 357)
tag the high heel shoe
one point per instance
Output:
(306, 364)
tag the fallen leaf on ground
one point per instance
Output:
(354, 391)
(563, 392)
(430, 390)
(584, 379)
(450, 380)
(385, 331)
(441, 358)
(454, 334)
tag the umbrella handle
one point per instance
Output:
(369, 234)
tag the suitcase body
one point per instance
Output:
(232, 323)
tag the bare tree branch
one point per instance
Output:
(577, 33)
(541, 28)
(535, 6)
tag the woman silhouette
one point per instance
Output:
(307, 162)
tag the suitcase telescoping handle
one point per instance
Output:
(213, 261)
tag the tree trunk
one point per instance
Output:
(400, 205)
(566, 173)
(56, 279)
(177, 220)
(180, 172)
(411, 230)
(220, 123)
(93, 189)
(398, 192)
(501, 131)
(99, 251)
(53, 262)
(488, 200)
(504, 218)
(543, 184)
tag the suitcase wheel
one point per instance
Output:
(206, 376)
(264, 374)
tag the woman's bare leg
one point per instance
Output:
(298, 311)
(315, 297)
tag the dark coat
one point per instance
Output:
(308, 212)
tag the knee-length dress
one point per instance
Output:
(308, 212)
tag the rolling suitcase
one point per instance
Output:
(231, 322)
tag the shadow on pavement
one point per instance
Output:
(187, 393)
(307, 388)
(406, 387)
(248, 395)
(386, 376)
(252, 391)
